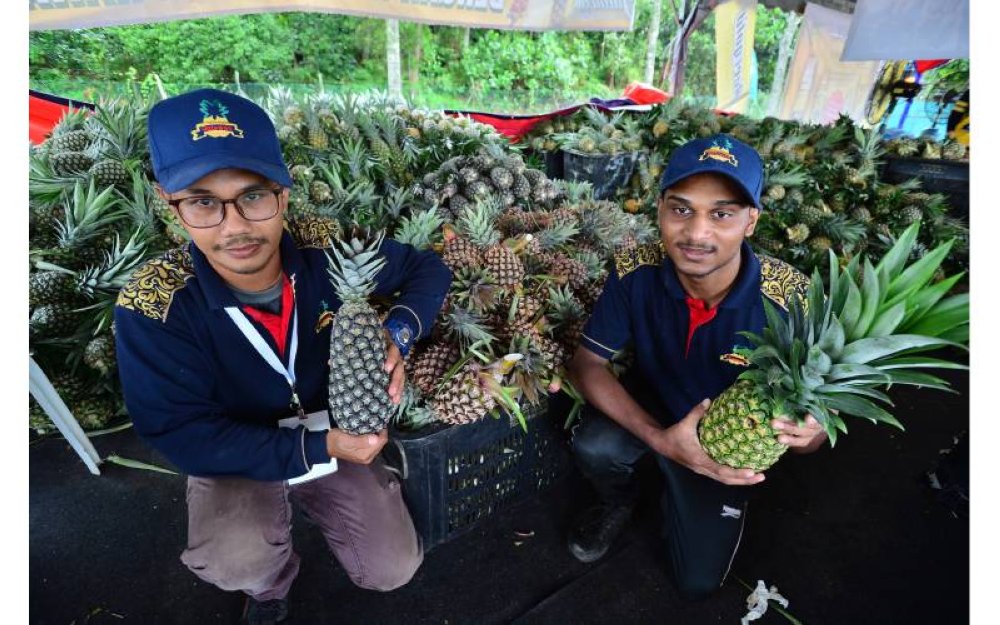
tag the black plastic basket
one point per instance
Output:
(606, 172)
(554, 164)
(950, 178)
(455, 476)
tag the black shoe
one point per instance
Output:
(264, 612)
(596, 530)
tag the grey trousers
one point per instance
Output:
(239, 530)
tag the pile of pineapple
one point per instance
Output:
(909, 147)
(93, 218)
(822, 192)
(525, 280)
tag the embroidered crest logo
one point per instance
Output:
(720, 153)
(740, 356)
(214, 124)
(325, 317)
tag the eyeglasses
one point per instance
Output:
(208, 211)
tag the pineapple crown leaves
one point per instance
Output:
(86, 213)
(832, 355)
(476, 224)
(110, 276)
(354, 266)
(466, 327)
(793, 176)
(213, 108)
(419, 229)
(475, 288)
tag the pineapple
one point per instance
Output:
(359, 397)
(910, 214)
(797, 233)
(110, 172)
(475, 288)
(100, 354)
(458, 250)
(466, 397)
(500, 260)
(837, 351)
(430, 365)
(568, 317)
(419, 229)
(49, 287)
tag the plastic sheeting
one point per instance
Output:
(908, 29)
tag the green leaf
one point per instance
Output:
(919, 273)
(958, 334)
(922, 302)
(885, 323)
(922, 362)
(935, 323)
(869, 303)
(136, 464)
(897, 255)
(867, 350)
(832, 341)
(847, 371)
(861, 407)
(830, 390)
(851, 311)
(917, 378)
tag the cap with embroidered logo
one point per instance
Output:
(202, 131)
(720, 154)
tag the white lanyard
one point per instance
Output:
(267, 353)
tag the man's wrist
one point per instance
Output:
(401, 334)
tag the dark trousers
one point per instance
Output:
(702, 518)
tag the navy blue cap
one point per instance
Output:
(720, 154)
(196, 133)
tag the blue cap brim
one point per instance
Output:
(713, 167)
(184, 174)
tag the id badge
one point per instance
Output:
(315, 422)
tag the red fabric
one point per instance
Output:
(45, 111)
(642, 93)
(698, 315)
(514, 126)
(277, 325)
(923, 66)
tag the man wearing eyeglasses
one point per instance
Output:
(221, 339)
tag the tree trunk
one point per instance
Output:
(414, 61)
(781, 67)
(654, 34)
(392, 58)
(466, 39)
(689, 17)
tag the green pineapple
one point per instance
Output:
(359, 397)
(100, 354)
(911, 213)
(70, 163)
(838, 351)
(110, 172)
(797, 233)
(51, 286)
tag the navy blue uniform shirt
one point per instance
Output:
(198, 391)
(683, 352)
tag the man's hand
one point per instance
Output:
(679, 442)
(396, 369)
(353, 448)
(801, 438)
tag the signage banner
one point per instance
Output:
(820, 86)
(734, 35)
(504, 14)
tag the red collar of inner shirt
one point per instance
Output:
(698, 314)
(276, 324)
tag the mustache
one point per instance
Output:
(238, 241)
(695, 246)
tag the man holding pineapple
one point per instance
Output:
(682, 303)
(220, 339)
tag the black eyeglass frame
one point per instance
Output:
(277, 196)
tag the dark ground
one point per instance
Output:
(849, 536)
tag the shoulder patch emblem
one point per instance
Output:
(313, 231)
(151, 288)
(630, 259)
(779, 281)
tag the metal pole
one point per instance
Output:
(48, 398)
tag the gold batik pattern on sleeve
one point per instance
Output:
(152, 287)
(779, 281)
(630, 259)
(313, 231)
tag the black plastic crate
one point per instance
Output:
(554, 165)
(950, 178)
(455, 476)
(606, 172)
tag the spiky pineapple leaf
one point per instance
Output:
(861, 407)
(919, 273)
(887, 322)
(869, 349)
